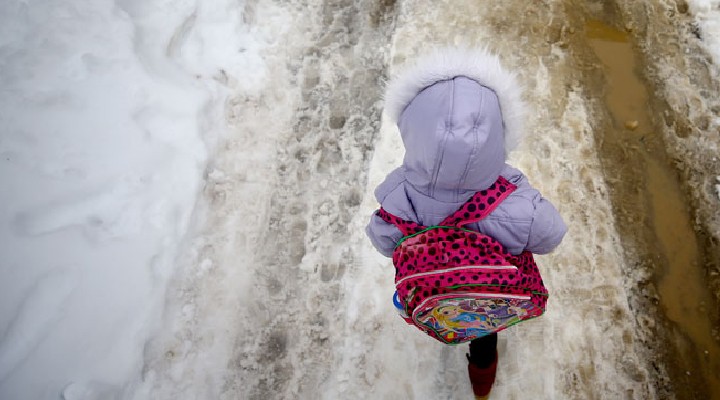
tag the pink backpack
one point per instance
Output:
(457, 285)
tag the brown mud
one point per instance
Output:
(654, 206)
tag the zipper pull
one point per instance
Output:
(399, 306)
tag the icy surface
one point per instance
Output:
(185, 186)
(707, 15)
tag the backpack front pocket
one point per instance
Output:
(460, 317)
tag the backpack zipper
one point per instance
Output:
(429, 228)
(467, 267)
(417, 308)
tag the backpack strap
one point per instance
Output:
(406, 227)
(481, 204)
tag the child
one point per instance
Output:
(459, 113)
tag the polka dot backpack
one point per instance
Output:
(457, 285)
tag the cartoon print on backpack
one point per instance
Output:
(451, 321)
(452, 318)
(455, 317)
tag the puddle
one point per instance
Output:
(683, 295)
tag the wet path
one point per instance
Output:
(650, 200)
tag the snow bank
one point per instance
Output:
(707, 15)
(109, 111)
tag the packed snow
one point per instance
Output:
(707, 16)
(140, 169)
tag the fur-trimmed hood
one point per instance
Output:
(479, 65)
(459, 113)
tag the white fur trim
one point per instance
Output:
(478, 65)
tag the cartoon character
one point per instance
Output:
(518, 310)
(507, 312)
(455, 318)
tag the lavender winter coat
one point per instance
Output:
(455, 145)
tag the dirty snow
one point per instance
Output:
(185, 192)
(707, 15)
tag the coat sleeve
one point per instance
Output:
(547, 229)
(383, 236)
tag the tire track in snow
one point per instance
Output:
(674, 327)
(189, 356)
(321, 164)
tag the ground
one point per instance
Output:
(312, 317)
(262, 136)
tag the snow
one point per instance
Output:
(707, 16)
(110, 111)
(174, 215)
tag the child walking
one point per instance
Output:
(459, 113)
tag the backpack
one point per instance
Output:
(457, 285)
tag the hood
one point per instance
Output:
(453, 136)
(459, 114)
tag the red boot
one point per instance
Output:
(482, 379)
